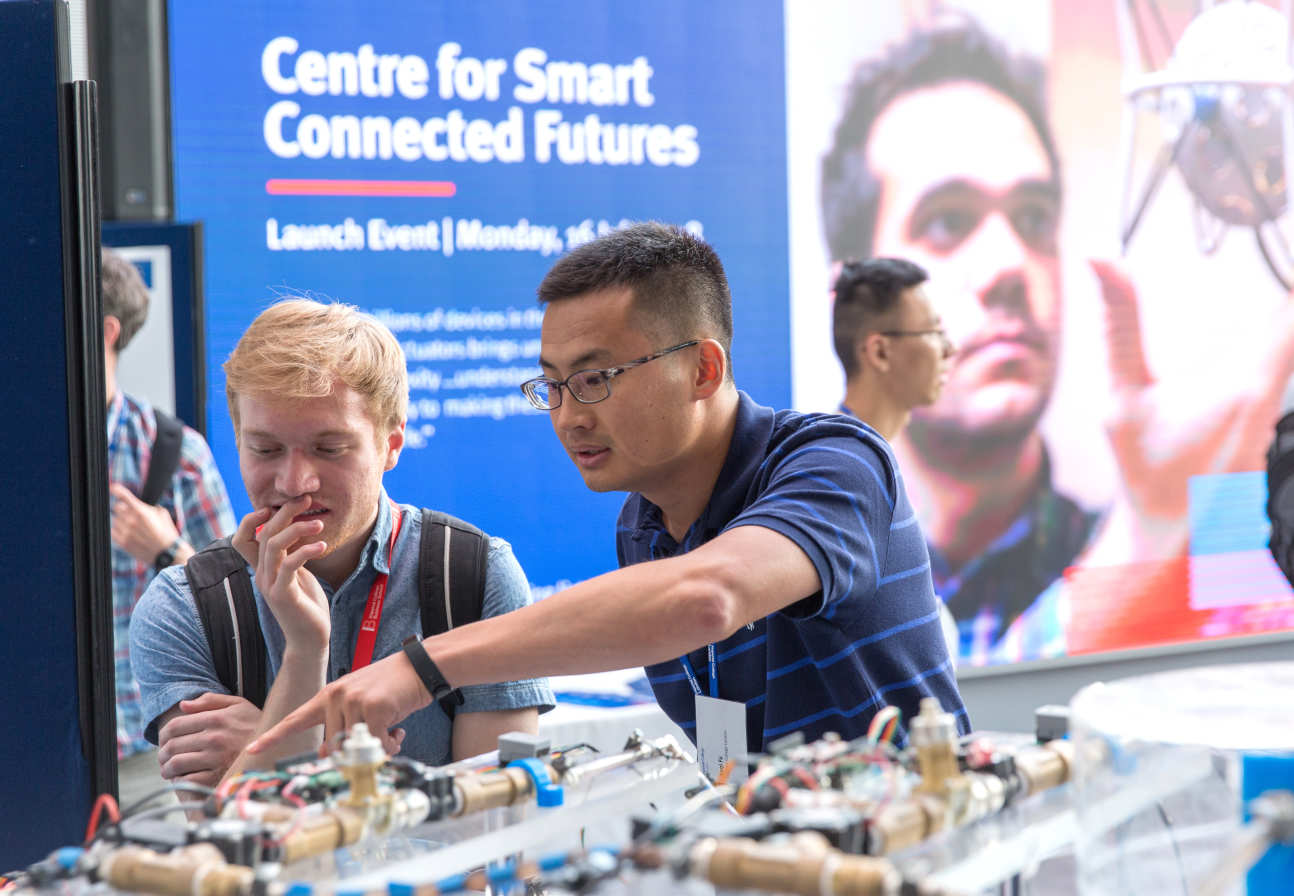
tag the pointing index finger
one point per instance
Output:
(307, 715)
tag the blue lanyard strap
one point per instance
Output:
(691, 673)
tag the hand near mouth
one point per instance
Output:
(244, 538)
(277, 542)
(285, 543)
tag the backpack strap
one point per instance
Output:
(165, 457)
(451, 578)
(222, 590)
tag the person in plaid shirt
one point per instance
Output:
(193, 510)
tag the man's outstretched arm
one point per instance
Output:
(643, 614)
(478, 732)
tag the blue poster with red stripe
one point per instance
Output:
(429, 163)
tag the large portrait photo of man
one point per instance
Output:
(1090, 477)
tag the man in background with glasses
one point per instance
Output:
(890, 341)
(980, 212)
(895, 351)
(1029, 571)
(774, 579)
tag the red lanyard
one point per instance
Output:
(367, 636)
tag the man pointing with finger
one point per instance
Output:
(318, 395)
(773, 580)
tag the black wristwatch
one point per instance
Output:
(429, 672)
(167, 556)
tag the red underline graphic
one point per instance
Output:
(435, 188)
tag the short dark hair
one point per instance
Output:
(864, 290)
(957, 49)
(124, 295)
(675, 277)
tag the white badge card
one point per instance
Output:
(720, 736)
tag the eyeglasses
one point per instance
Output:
(586, 386)
(940, 332)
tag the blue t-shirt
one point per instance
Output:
(172, 659)
(869, 638)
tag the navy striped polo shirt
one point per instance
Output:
(870, 637)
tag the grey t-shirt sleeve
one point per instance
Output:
(506, 589)
(169, 653)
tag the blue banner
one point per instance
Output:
(429, 163)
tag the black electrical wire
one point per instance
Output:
(1177, 851)
(176, 788)
(112, 829)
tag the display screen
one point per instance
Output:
(429, 162)
(1094, 214)
(1099, 212)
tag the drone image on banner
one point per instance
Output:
(1221, 97)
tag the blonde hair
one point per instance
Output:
(300, 348)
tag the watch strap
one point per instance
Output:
(166, 556)
(428, 672)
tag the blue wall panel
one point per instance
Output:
(44, 779)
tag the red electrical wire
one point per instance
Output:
(805, 778)
(245, 791)
(297, 818)
(105, 800)
(779, 785)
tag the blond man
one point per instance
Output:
(318, 395)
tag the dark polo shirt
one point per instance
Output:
(869, 638)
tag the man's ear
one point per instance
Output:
(874, 351)
(111, 332)
(394, 442)
(711, 367)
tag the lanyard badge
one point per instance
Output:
(367, 637)
(720, 724)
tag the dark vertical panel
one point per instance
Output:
(128, 60)
(195, 335)
(88, 449)
(47, 503)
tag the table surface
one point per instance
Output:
(581, 720)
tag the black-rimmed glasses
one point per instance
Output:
(586, 386)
